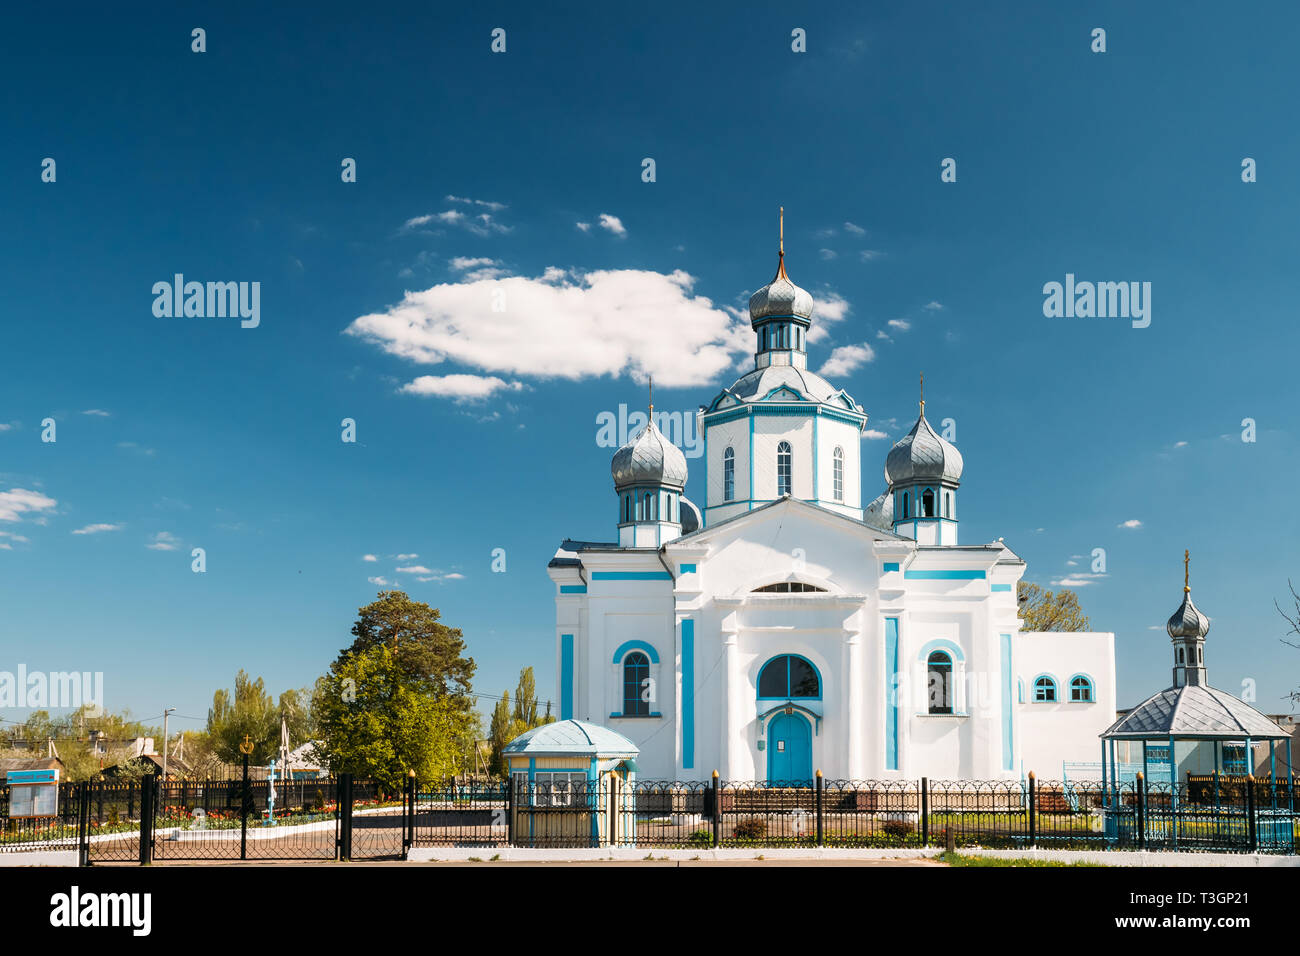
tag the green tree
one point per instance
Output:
(377, 721)
(425, 648)
(1044, 610)
(499, 733)
(249, 712)
(526, 699)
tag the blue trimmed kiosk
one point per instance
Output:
(1186, 733)
(571, 785)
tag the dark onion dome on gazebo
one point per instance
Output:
(649, 459)
(1188, 621)
(1196, 711)
(923, 455)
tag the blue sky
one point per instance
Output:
(225, 166)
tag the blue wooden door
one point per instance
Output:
(789, 749)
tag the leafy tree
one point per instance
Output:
(526, 698)
(499, 733)
(376, 720)
(250, 712)
(1293, 621)
(1044, 610)
(423, 646)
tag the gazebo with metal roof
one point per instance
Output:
(1190, 711)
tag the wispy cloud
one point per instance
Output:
(99, 528)
(933, 306)
(381, 581)
(164, 541)
(1130, 523)
(874, 434)
(407, 557)
(854, 230)
(460, 388)
(868, 255)
(369, 557)
(899, 325)
(17, 502)
(478, 268)
(97, 413)
(415, 569)
(827, 253)
(846, 359)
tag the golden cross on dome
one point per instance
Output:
(780, 259)
(1187, 560)
(922, 393)
(652, 396)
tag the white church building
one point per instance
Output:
(785, 625)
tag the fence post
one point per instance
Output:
(925, 811)
(820, 790)
(1033, 811)
(245, 801)
(146, 818)
(83, 823)
(1250, 812)
(410, 814)
(130, 800)
(345, 816)
(1141, 789)
(510, 809)
(717, 811)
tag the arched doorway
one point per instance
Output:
(789, 749)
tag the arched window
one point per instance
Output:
(1081, 690)
(838, 488)
(1180, 656)
(905, 506)
(939, 682)
(788, 587)
(947, 504)
(636, 672)
(1045, 690)
(783, 468)
(787, 677)
(927, 503)
(729, 475)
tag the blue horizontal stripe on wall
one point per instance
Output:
(573, 589)
(944, 575)
(688, 569)
(633, 576)
(891, 565)
(1000, 587)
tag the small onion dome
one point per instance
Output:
(880, 513)
(649, 459)
(780, 297)
(1187, 620)
(922, 455)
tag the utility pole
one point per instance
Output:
(166, 713)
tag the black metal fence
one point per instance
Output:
(837, 813)
(344, 818)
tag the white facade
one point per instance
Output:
(788, 630)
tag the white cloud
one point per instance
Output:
(381, 581)
(612, 224)
(855, 230)
(17, 501)
(1077, 580)
(830, 307)
(1180, 444)
(583, 226)
(476, 269)
(454, 576)
(5, 426)
(868, 254)
(415, 569)
(407, 557)
(461, 263)
(494, 206)
(135, 446)
(164, 541)
(481, 224)
(874, 434)
(369, 557)
(933, 306)
(5, 545)
(1130, 523)
(560, 326)
(1071, 564)
(98, 528)
(828, 253)
(880, 334)
(846, 358)
(97, 412)
(460, 388)
(900, 325)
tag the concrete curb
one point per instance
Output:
(39, 858)
(1106, 858)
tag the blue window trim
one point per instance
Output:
(1056, 689)
(627, 647)
(636, 658)
(573, 589)
(893, 689)
(820, 684)
(631, 576)
(1020, 683)
(650, 716)
(688, 694)
(1092, 689)
(1000, 587)
(941, 644)
(953, 575)
(687, 569)
(729, 474)
(891, 566)
(1008, 738)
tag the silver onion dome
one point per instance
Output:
(923, 455)
(649, 459)
(1187, 621)
(780, 297)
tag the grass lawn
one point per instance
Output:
(959, 859)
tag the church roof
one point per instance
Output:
(572, 737)
(784, 383)
(649, 458)
(1187, 621)
(923, 455)
(794, 502)
(1194, 711)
